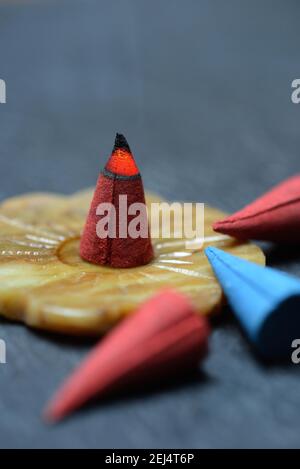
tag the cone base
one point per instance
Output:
(115, 252)
(119, 263)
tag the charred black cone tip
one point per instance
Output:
(121, 143)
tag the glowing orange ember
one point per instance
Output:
(121, 161)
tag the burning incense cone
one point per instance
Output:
(117, 247)
(264, 300)
(274, 216)
(164, 337)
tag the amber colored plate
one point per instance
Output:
(45, 284)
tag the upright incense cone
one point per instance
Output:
(164, 337)
(275, 216)
(265, 301)
(120, 177)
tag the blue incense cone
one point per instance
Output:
(264, 300)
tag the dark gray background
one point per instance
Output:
(202, 91)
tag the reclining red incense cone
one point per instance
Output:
(107, 238)
(275, 216)
(164, 337)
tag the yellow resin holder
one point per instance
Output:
(45, 284)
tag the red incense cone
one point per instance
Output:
(165, 336)
(119, 248)
(275, 216)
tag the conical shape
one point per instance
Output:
(275, 216)
(265, 301)
(108, 237)
(121, 162)
(163, 337)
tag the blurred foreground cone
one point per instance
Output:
(275, 216)
(119, 186)
(164, 337)
(265, 301)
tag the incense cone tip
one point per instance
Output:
(121, 142)
(223, 226)
(55, 410)
(209, 252)
(217, 225)
(121, 161)
(50, 416)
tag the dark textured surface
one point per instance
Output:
(201, 89)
